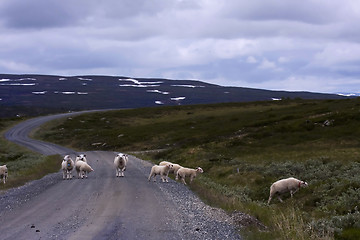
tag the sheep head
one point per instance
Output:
(199, 169)
(303, 184)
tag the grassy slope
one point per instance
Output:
(243, 148)
(23, 165)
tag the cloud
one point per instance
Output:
(338, 53)
(304, 45)
(14, 66)
(266, 64)
(38, 14)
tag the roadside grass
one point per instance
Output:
(243, 148)
(23, 165)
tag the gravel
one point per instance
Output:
(14, 197)
(202, 221)
(193, 218)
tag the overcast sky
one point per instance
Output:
(307, 45)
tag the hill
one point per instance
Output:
(243, 148)
(39, 94)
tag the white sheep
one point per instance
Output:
(173, 170)
(82, 168)
(282, 186)
(120, 162)
(3, 173)
(184, 172)
(163, 171)
(81, 157)
(67, 166)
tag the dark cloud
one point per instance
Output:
(272, 44)
(308, 11)
(38, 14)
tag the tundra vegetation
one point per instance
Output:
(23, 165)
(244, 148)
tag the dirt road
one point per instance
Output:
(103, 206)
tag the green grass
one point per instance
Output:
(23, 165)
(243, 148)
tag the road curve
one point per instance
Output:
(102, 206)
(20, 134)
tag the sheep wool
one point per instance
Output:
(67, 166)
(184, 172)
(173, 170)
(3, 173)
(82, 168)
(282, 186)
(120, 162)
(163, 171)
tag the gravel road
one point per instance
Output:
(103, 206)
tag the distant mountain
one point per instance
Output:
(101, 92)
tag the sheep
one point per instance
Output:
(3, 173)
(82, 168)
(120, 162)
(188, 172)
(163, 171)
(67, 166)
(81, 157)
(282, 186)
(173, 170)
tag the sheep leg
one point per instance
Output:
(269, 200)
(117, 172)
(164, 177)
(68, 174)
(191, 179)
(152, 175)
(280, 199)
(183, 180)
(293, 192)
